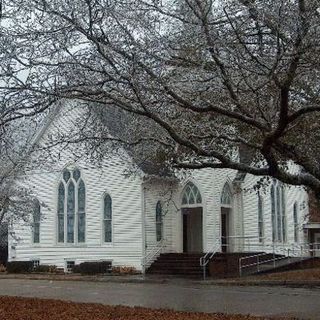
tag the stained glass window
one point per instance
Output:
(159, 221)
(81, 211)
(260, 218)
(71, 213)
(66, 175)
(278, 212)
(107, 218)
(76, 174)
(36, 222)
(295, 222)
(273, 213)
(191, 195)
(226, 195)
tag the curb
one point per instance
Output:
(142, 280)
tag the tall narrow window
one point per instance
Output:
(36, 221)
(61, 200)
(226, 196)
(81, 212)
(159, 221)
(278, 212)
(70, 213)
(295, 222)
(107, 219)
(71, 208)
(273, 213)
(260, 218)
(283, 214)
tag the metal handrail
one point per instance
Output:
(259, 262)
(153, 254)
(300, 249)
(204, 260)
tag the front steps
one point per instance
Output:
(177, 264)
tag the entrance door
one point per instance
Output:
(192, 230)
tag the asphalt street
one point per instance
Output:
(185, 296)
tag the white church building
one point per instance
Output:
(86, 212)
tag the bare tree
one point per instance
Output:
(209, 77)
(16, 199)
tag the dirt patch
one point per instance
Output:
(12, 308)
(306, 274)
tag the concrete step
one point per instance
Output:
(177, 264)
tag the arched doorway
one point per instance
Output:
(192, 215)
(226, 211)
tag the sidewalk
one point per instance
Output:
(163, 279)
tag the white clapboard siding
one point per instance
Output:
(126, 247)
(134, 200)
(156, 190)
(292, 194)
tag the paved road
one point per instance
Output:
(302, 303)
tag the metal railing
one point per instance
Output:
(279, 252)
(204, 260)
(153, 254)
(219, 246)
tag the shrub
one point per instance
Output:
(94, 267)
(124, 270)
(76, 268)
(45, 268)
(20, 266)
(2, 268)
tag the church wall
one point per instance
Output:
(292, 194)
(106, 177)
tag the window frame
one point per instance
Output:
(159, 222)
(67, 262)
(36, 224)
(191, 189)
(226, 190)
(66, 184)
(103, 227)
(260, 218)
(295, 212)
(278, 212)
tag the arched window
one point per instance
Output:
(71, 207)
(260, 218)
(191, 195)
(278, 212)
(226, 196)
(107, 218)
(36, 222)
(159, 221)
(296, 222)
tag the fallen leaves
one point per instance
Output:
(14, 308)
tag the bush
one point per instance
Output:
(45, 268)
(2, 268)
(93, 267)
(76, 268)
(20, 266)
(124, 270)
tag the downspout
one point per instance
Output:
(143, 223)
(242, 216)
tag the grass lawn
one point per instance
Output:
(12, 308)
(305, 274)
